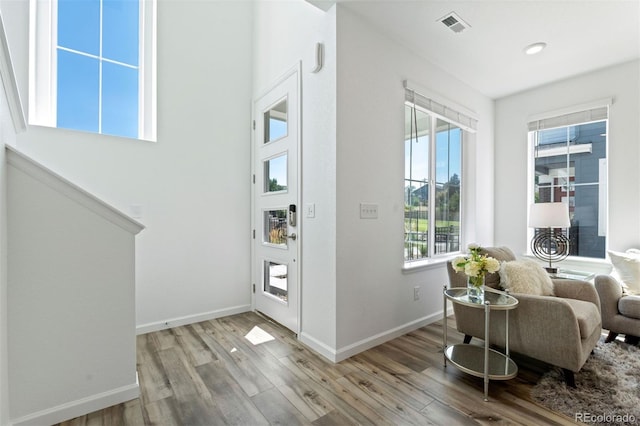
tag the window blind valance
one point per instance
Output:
(460, 119)
(595, 111)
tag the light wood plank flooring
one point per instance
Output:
(209, 373)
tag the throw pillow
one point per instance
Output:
(626, 268)
(525, 276)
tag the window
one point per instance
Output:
(432, 181)
(92, 66)
(570, 165)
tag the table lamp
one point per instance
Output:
(549, 244)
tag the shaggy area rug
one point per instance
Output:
(607, 387)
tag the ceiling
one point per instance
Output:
(581, 36)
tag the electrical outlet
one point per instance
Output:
(416, 293)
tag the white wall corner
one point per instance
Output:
(321, 348)
(340, 354)
(322, 4)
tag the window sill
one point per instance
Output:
(430, 263)
(587, 264)
(98, 135)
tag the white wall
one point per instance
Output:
(374, 296)
(286, 33)
(193, 184)
(11, 121)
(354, 292)
(71, 305)
(622, 83)
(7, 136)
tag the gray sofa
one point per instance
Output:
(560, 330)
(620, 313)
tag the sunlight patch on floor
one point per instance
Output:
(258, 336)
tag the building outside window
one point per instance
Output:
(92, 66)
(432, 183)
(570, 166)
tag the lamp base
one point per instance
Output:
(551, 270)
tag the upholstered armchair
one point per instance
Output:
(560, 330)
(620, 312)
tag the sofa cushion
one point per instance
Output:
(525, 276)
(626, 268)
(629, 306)
(588, 316)
(501, 254)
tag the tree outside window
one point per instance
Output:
(432, 185)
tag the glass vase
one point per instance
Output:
(475, 289)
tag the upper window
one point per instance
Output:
(432, 179)
(93, 66)
(570, 166)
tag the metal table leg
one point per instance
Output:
(444, 325)
(487, 310)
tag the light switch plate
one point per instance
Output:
(310, 210)
(368, 211)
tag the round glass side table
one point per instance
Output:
(481, 361)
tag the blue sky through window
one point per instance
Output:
(79, 25)
(277, 128)
(448, 154)
(78, 88)
(98, 51)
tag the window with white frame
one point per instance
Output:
(432, 177)
(92, 66)
(569, 164)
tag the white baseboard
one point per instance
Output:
(319, 347)
(80, 407)
(191, 319)
(355, 348)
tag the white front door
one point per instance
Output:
(275, 202)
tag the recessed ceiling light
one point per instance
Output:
(534, 48)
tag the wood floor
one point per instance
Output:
(209, 373)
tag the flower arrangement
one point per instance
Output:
(475, 265)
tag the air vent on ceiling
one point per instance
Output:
(454, 22)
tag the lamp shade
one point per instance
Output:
(549, 215)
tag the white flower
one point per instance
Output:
(458, 263)
(472, 268)
(475, 265)
(492, 265)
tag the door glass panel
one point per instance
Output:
(275, 174)
(275, 280)
(275, 122)
(275, 227)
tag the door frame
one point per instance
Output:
(255, 280)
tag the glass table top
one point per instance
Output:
(498, 300)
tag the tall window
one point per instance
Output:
(570, 166)
(433, 173)
(93, 66)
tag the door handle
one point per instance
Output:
(293, 236)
